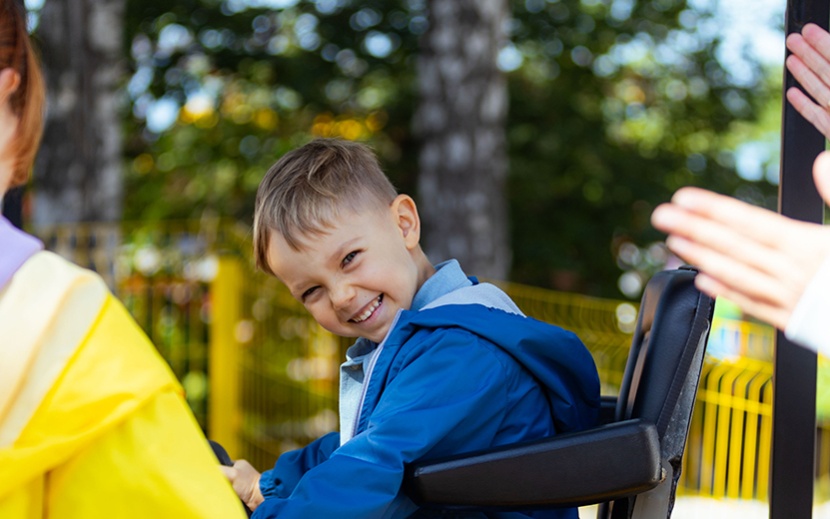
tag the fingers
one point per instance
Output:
(815, 114)
(758, 277)
(244, 466)
(807, 76)
(742, 249)
(246, 483)
(818, 38)
(757, 258)
(724, 252)
(766, 311)
(812, 47)
(230, 473)
(810, 66)
(821, 175)
(704, 216)
(816, 68)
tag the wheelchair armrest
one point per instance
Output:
(600, 464)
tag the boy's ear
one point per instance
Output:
(406, 217)
(9, 81)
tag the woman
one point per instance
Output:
(92, 421)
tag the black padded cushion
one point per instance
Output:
(660, 355)
(607, 462)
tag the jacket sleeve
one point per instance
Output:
(290, 467)
(448, 397)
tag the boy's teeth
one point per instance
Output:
(365, 315)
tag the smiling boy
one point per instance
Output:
(359, 272)
(442, 364)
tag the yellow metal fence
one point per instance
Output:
(262, 377)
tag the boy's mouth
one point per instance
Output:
(369, 310)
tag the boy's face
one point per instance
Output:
(356, 276)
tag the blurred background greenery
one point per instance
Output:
(611, 106)
(536, 135)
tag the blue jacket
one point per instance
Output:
(448, 380)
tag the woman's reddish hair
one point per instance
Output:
(27, 102)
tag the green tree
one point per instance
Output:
(613, 105)
(246, 84)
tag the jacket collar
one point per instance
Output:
(448, 277)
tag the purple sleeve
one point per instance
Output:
(15, 248)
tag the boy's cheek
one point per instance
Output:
(325, 319)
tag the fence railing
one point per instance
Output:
(262, 376)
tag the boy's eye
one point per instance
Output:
(308, 293)
(349, 258)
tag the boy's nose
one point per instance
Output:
(341, 295)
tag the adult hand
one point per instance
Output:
(245, 481)
(809, 64)
(756, 258)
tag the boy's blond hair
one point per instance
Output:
(309, 186)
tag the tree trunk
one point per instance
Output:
(78, 173)
(461, 121)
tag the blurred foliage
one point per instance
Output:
(248, 84)
(614, 105)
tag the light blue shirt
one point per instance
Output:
(360, 357)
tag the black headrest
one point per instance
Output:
(673, 317)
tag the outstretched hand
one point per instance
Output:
(756, 258)
(809, 63)
(245, 481)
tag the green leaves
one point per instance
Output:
(614, 104)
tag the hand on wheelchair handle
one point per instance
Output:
(243, 477)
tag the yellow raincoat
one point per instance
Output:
(92, 421)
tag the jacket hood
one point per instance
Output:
(88, 367)
(556, 357)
